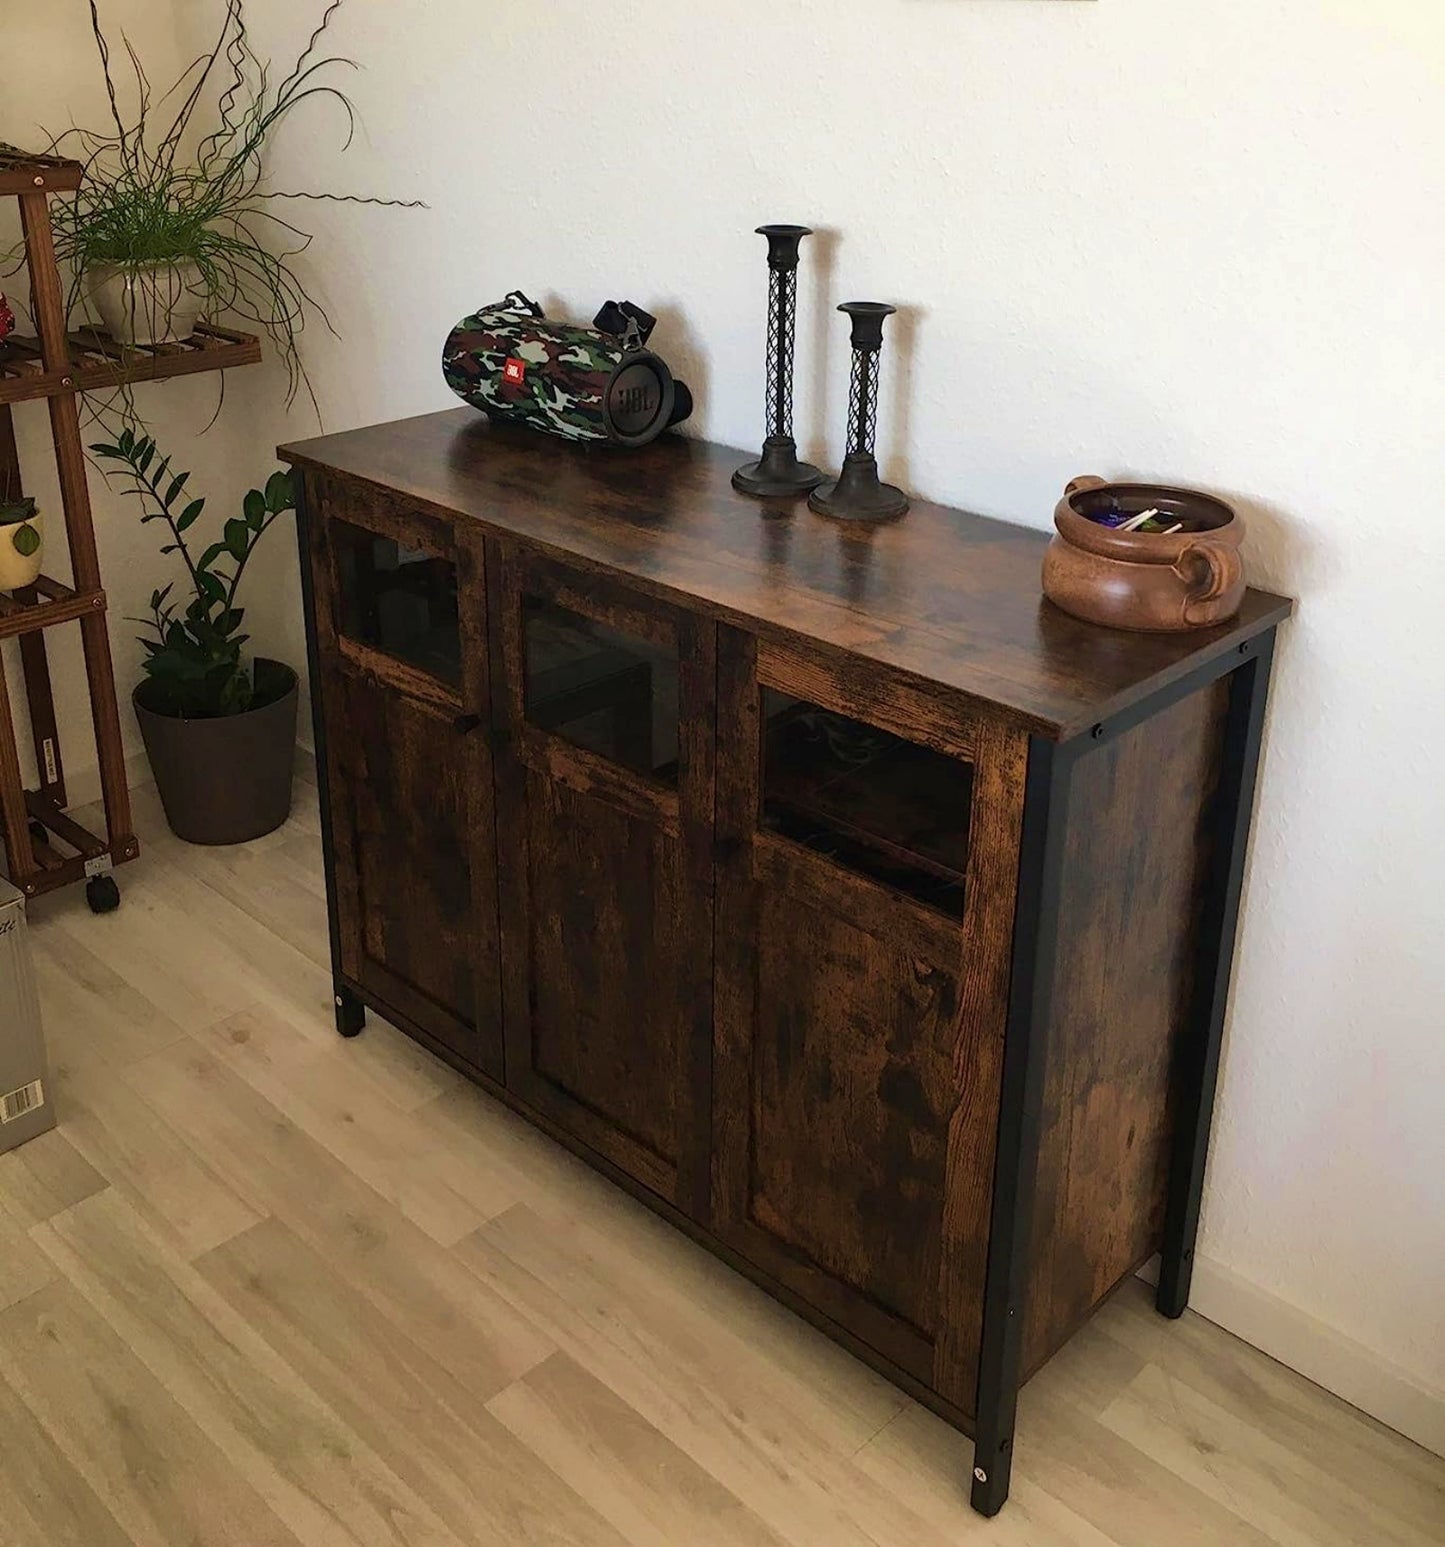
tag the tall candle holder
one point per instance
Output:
(858, 495)
(778, 472)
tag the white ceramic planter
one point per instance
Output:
(18, 569)
(147, 303)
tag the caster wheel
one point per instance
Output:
(102, 894)
(39, 832)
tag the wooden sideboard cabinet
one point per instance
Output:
(824, 886)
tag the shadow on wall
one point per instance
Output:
(820, 263)
(673, 339)
(678, 344)
(900, 337)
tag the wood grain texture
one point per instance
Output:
(161, 1478)
(709, 1412)
(606, 881)
(48, 304)
(989, 892)
(43, 1498)
(435, 1433)
(1137, 829)
(414, 795)
(945, 597)
(780, 1004)
(412, 800)
(855, 1100)
(313, 1471)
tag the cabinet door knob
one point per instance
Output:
(465, 724)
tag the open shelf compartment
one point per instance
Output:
(870, 801)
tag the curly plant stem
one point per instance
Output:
(104, 48)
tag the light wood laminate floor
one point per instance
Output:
(263, 1286)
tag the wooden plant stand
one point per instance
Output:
(45, 848)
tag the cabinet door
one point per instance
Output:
(605, 790)
(868, 841)
(406, 700)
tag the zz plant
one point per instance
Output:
(194, 645)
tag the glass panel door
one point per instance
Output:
(398, 600)
(601, 688)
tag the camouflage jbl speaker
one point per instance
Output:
(584, 384)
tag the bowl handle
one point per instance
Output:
(1210, 570)
(1083, 482)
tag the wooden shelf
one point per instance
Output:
(35, 832)
(23, 172)
(97, 361)
(52, 603)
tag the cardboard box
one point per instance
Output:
(25, 1105)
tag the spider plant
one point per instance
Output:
(181, 179)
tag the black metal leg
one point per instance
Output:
(1197, 1073)
(350, 1013)
(1015, 1166)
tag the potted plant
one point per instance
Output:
(21, 544)
(219, 728)
(173, 219)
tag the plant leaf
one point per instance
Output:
(187, 518)
(278, 492)
(238, 538)
(177, 484)
(254, 506)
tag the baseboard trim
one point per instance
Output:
(82, 785)
(1317, 1351)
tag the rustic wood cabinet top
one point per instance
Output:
(946, 596)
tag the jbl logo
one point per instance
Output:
(515, 372)
(636, 400)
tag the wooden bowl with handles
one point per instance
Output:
(1139, 580)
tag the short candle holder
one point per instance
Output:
(858, 495)
(778, 472)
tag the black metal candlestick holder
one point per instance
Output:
(778, 471)
(858, 495)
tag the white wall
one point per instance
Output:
(1193, 239)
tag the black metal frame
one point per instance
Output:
(1197, 1075)
(1036, 928)
(778, 473)
(350, 1011)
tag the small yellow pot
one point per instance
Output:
(18, 568)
